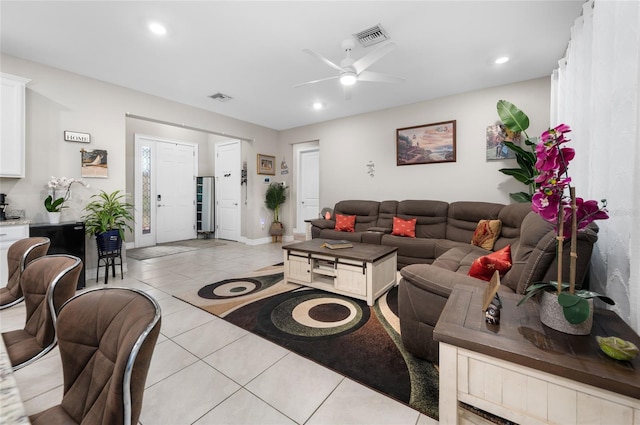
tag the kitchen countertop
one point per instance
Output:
(14, 222)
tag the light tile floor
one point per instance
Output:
(207, 371)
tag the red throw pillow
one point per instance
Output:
(404, 227)
(484, 267)
(345, 223)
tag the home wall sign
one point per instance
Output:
(75, 136)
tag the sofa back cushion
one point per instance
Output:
(463, 218)
(534, 254)
(511, 217)
(386, 212)
(431, 217)
(366, 212)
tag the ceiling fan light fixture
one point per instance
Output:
(502, 59)
(157, 28)
(348, 78)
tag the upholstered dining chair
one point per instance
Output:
(20, 253)
(106, 338)
(47, 283)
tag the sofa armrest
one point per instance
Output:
(323, 224)
(438, 280)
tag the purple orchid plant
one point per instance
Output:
(552, 163)
(553, 204)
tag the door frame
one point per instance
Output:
(299, 149)
(140, 139)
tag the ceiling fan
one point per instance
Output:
(351, 70)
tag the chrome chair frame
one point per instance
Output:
(23, 259)
(52, 311)
(126, 382)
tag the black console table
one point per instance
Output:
(66, 238)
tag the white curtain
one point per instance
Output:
(596, 90)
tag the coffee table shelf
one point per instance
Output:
(363, 272)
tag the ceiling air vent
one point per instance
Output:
(220, 97)
(371, 36)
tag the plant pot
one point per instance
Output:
(54, 217)
(108, 242)
(551, 315)
(276, 229)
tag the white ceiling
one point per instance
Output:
(252, 51)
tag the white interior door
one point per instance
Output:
(228, 190)
(308, 187)
(176, 192)
(165, 191)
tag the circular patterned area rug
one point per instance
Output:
(344, 334)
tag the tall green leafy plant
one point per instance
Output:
(108, 211)
(517, 121)
(275, 196)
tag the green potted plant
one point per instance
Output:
(516, 121)
(275, 196)
(107, 217)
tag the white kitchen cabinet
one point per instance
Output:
(12, 136)
(8, 235)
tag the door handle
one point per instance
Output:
(235, 203)
(161, 205)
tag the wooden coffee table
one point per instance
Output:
(363, 271)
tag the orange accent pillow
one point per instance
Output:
(404, 227)
(484, 267)
(345, 223)
(486, 233)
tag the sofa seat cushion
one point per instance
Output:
(411, 247)
(336, 234)
(460, 258)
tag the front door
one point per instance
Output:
(308, 187)
(165, 190)
(175, 192)
(228, 191)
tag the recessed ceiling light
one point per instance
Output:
(318, 106)
(157, 28)
(502, 59)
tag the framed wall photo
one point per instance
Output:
(496, 136)
(94, 163)
(426, 144)
(266, 164)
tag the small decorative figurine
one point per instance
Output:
(492, 314)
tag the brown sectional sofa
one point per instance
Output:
(440, 255)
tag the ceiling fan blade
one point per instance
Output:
(316, 81)
(368, 60)
(378, 77)
(323, 59)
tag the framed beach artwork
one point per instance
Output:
(266, 164)
(426, 144)
(496, 136)
(94, 163)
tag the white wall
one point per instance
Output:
(57, 101)
(347, 145)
